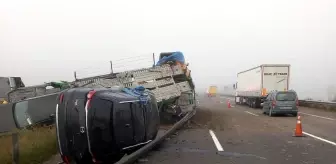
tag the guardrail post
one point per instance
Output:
(15, 148)
(75, 75)
(153, 59)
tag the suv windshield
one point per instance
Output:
(286, 96)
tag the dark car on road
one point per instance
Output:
(281, 102)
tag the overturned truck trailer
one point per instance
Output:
(170, 80)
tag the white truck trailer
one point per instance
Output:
(253, 85)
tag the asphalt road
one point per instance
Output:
(57, 158)
(240, 135)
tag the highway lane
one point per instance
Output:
(314, 121)
(57, 158)
(192, 144)
(319, 113)
(318, 122)
(247, 136)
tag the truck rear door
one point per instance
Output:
(276, 78)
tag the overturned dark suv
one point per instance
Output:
(101, 125)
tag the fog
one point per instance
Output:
(43, 41)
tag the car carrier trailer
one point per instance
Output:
(170, 82)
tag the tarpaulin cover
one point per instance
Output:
(176, 56)
(139, 92)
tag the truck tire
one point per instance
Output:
(254, 103)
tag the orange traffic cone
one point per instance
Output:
(228, 104)
(298, 128)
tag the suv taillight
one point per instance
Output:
(297, 102)
(61, 98)
(88, 104)
(89, 97)
(273, 103)
(65, 159)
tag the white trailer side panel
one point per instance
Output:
(249, 82)
(275, 77)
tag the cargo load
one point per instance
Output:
(169, 79)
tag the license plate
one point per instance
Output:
(285, 107)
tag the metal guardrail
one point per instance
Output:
(318, 102)
(145, 149)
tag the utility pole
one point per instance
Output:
(111, 67)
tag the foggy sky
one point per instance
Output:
(43, 40)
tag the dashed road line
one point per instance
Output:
(251, 113)
(217, 143)
(317, 116)
(319, 138)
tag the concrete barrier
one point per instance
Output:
(6, 118)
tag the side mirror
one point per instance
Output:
(187, 64)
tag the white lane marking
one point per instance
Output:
(319, 138)
(317, 116)
(251, 113)
(214, 138)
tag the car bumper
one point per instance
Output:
(284, 111)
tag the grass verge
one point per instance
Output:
(36, 145)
